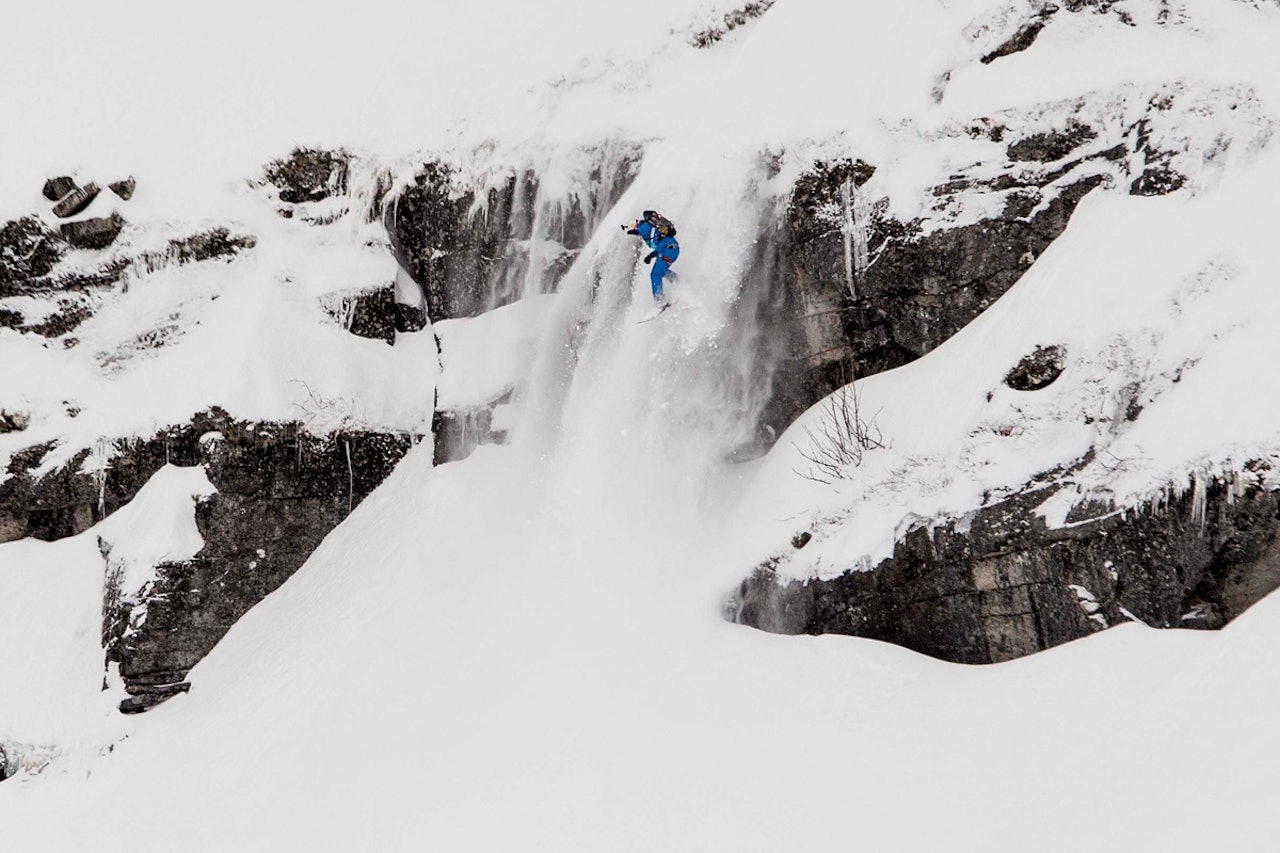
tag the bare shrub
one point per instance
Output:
(838, 441)
(323, 415)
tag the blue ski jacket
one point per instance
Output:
(666, 247)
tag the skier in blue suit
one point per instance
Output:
(659, 235)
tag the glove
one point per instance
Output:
(649, 257)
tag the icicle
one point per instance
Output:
(101, 476)
(348, 314)
(846, 193)
(1199, 501)
(351, 476)
(854, 228)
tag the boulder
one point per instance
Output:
(13, 421)
(97, 233)
(1018, 42)
(56, 189)
(76, 201)
(1037, 370)
(124, 189)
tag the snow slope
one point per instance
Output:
(377, 702)
(524, 649)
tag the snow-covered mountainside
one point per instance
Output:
(346, 503)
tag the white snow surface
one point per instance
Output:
(524, 650)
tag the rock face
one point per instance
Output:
(68, 501)
(279, 493)
(203, 246)
(458, 434)
(309, 175)
(855, 292)
(469, 250)
(279, 489)
(1000, 585)
(1051, 145)
(28, 252)
(367, 313)
(863, 293)
(921, 289)
(463, 251)
(447, 252)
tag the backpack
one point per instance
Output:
(660, 223)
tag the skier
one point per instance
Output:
(659, 235)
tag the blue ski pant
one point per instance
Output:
(657, 274)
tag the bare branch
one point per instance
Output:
(839, 439)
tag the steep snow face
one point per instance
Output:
(524, 649)
(422, 675)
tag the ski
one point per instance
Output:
(655, 315)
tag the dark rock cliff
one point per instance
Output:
(833, 317)
(469, 248)
(920, 290)
(280, 491)
(308, 175)
(1000, 584)
(443, 248)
